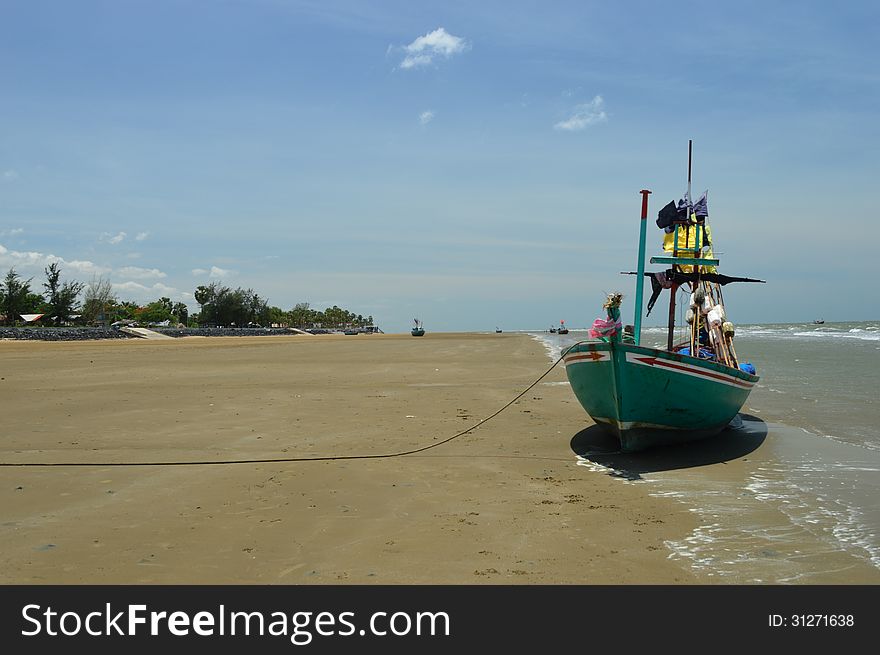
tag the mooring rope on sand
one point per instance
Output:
(282, 460)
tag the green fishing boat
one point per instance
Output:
(417, 330)
(694, 387)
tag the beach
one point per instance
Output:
(788, 494)
(510, 502)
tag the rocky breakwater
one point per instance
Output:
(62, 333)
(86, 333)
(221, 332)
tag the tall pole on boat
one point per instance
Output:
(690, 157)
(640, 280)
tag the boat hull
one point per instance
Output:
(650, 397)
(418, 332)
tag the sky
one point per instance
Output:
(473, 165)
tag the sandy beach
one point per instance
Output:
(506, 503)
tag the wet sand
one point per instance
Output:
(506, 503)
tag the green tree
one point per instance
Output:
(99, 300)
(256, 308)
(223, 306)
(157, 311)
(207, 296)
(180, 313)
(278, 316)
(127, 310)
(301, 316)
(14, 294)
(34, 303)
(61, 298)
(335, 317)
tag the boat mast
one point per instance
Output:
(640, 280)
(670, 326)
(690, 152)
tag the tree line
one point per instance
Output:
(95, 303)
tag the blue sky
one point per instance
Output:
(471, 164)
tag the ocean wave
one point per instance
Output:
(860, 332)
(655, 335)
(852, 334)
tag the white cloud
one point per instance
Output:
(142, 293)
(129, 286)
(141, 236)
(165, 289)
(86, 267)
(11, 233)
(425, 49)
(10, 175)
(215, 272)
(426, 117)
(584, 115)
(411, 61)
(36, 262)
(27, 259)
(109, 238)
(139, 273)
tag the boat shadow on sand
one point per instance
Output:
(598, 445)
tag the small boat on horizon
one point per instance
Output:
(819, 322)
(562, 329)
(497, 330)
(689, 390)
(418, 330)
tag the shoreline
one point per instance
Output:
(103, 333)
(504, 504)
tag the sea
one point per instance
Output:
(789, 494)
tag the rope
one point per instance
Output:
(281, 460)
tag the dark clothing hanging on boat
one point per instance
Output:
(665, 280)
(680, 278)
(667, 216)
(701, 207)
(672, 214)
(659, 281)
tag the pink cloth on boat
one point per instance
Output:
(603, 327)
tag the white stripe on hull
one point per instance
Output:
(688, 369)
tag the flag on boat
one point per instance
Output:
(692, 225)
(701, 207)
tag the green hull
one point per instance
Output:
(652, 397)
(418, 332)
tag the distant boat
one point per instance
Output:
(562, 329)
(819, 322)
(418, 330)
(691, 390)
(552, 330)
(497, 330)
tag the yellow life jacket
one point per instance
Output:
(687, 243)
